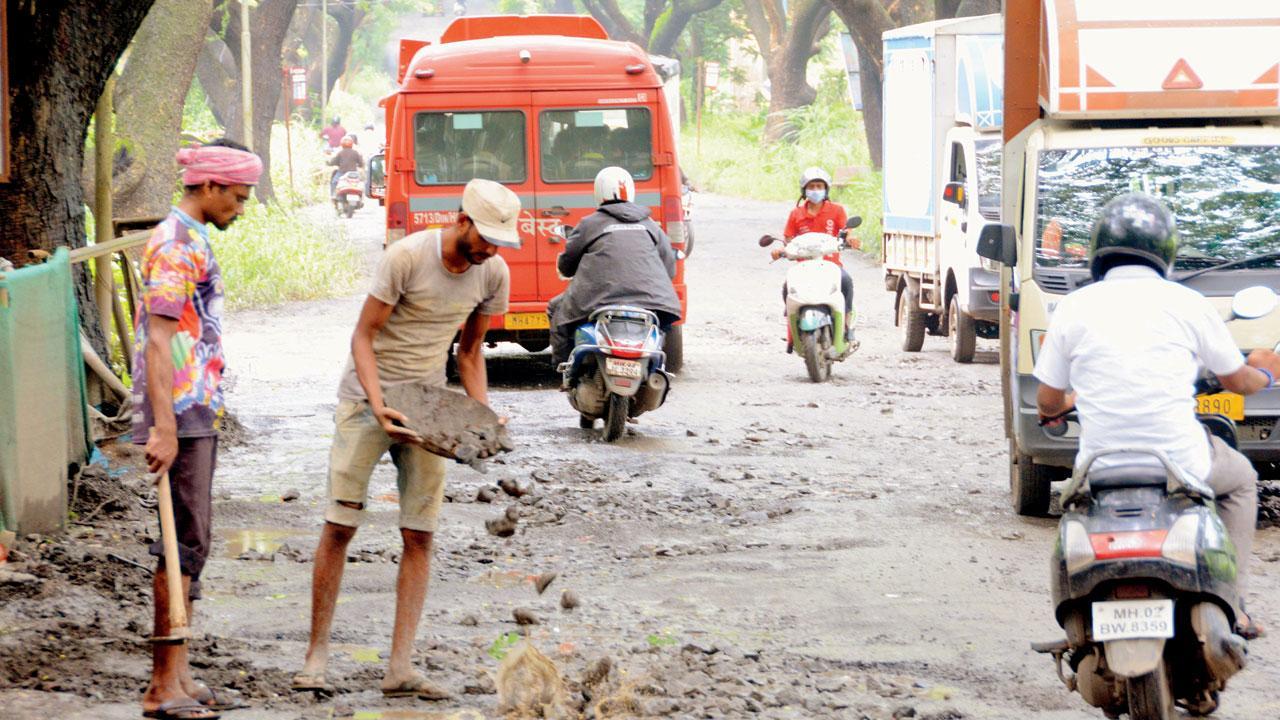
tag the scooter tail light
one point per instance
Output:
(1120, 545)
(1077, 551)
(1180, 545)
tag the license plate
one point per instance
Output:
(526, 321)
(1229, 404)
(622, 368)
(1132, 619)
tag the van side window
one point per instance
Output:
(452, 148)
(577, 144)
(959, 173)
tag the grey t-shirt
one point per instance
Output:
(430, 304)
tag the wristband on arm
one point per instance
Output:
(1271, 379)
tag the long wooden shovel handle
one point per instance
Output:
(173, 568)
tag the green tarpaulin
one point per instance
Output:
(43, 426)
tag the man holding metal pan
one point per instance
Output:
(178, 395)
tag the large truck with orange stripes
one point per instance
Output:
(1179, 100)
(539, 103)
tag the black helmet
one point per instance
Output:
(336, 120)
(1133, 229)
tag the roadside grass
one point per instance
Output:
(276, 254)
(735, 161)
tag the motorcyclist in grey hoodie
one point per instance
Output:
(616, 256)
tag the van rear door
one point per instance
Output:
(578, 134)
(456, 137)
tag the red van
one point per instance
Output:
(540, 104)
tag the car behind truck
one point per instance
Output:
(540, 104)
(942, 152)
(1185, 108)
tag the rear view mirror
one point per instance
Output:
(767, 240)
(853, 222)
(1254, 302)
(999, 243)
(376, 178)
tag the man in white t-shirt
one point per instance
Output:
(1125, 352)
(426, 286)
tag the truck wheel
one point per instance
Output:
(1028, 484)
(963, 333)
(673, 346)
(911, 321)
(615, 417)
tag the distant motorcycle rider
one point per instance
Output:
(346, 159)
(815, 211)
(334, 133)
(617, 256)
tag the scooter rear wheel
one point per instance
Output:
(1150, 697)
(615, 417)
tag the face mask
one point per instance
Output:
(815, 196)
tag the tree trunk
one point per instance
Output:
(971, 8)
(216, 72)
(270, 19)
(67, 50)
(787, 45)
(945, 9)
(149, 100)
(349, 17)
(866, 21)
(671, 24)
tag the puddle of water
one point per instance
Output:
(360, 653)
(501, 578)
(417, 715)
(241, 540)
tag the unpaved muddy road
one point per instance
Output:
(760, 546)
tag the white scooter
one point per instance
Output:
(817, 328)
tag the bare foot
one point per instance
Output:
(413, 684)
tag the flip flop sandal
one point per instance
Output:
(220, 699)
(1251, 631)
(307, 682)
(417, 686)
(184, 709)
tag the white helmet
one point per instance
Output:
(614, 183)
(811, 174)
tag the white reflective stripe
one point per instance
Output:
(624, 226)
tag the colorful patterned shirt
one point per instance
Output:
(181, 281)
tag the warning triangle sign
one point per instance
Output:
(1182, 77)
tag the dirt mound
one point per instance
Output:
(450, 424)
(96, 495)
(530, 686)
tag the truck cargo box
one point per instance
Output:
(936, 74)
(1200, 59)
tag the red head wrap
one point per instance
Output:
(218, 164)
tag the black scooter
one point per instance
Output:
(1144, 582)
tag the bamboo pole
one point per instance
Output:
(104, 145)
(246, 74)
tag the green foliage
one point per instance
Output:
(274, 254)
(662, 640)
(502, 645)
(828, 134)
(370, 85)
(197, 118)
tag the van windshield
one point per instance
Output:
(452, 148)
(1226, 199)
(577, 144)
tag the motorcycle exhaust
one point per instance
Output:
(653, 393)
